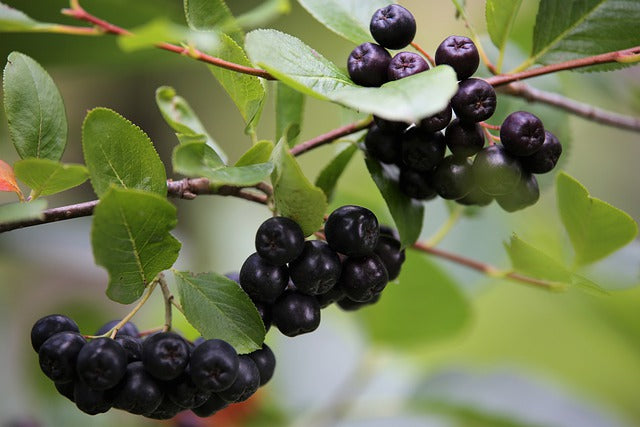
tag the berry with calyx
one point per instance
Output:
(89, 400)
(347, 304)
(476, 197)
(165, 355)
(405, 64)
(385, 147)
(48, 326)
(138, 392)
(464, 139)
(362, 277)
(279, 240)
(522, 133)
(391, 254)
(184, 392)
(437, 121)
(261, 280)
(132, 347)
(390, 126)
(246, 384)
(453, 178)
(368, 65)
(416, 184)
(214, 365)
(422, 150)
(295, 313)
(352, 230)
(393, 26)
(58, 355)
(128, 328)
(546, 158)
(317, 269)
(496, 172)
(460, 53)
(265, 360)
(101, 363)
(214, 404)
(524, 195)
(474, 101)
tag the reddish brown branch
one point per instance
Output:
(330, 136)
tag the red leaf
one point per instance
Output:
(8, 179)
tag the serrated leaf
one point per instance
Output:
(218, 308)
(14, 212)
(289, 109)
(329, 175)
(246, 91)
(424, 292)
(565, 31)
(14, 20)
(8, 179)
(46, 177)
(501, 15)
(347, 18)
(34, 108)
(295, 197)
(299, 66)
(596, 229)
(259, 153)
(407, 213)
(117, 152)
(212, 15)
(131, 240)
(263, 14)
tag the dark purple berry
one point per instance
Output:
(317, 269)
(132, 347)
(464, 139)
(261, 280)
(246, 383)
(438, 121)
(422, 150)
(295, 313)
(385, 147)
(460, 53)
(214, 404)
(66, 389)
(335, 294)
(474, 101)
(524, 195)
(265, 360)
(58, 355)
(48, 326)
(90, 401)
(264, 310)
(405, 64)
(127, 329)
(362, 277)
(393, 26)
(546, 158)
(391, 254)
(453, 178)
(390, 126)
(165, 355)
(214, 365)
(184, 392)
(476, 197)
(138, 392)
(101, 363)
(166, 410)
(347, 304)
(416, 184)
(368, 65)
(522, 133)
(352, 230)
(279, 240)
(496, 172)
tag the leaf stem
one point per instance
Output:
(167, 297)
(331, 136)
(424, 53)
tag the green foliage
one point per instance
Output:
(259, 153)
(13, 20)
(328, 178)
(34, 108)
(218, 308)
(501, 15)
(263, 14)
(131, 240)
(47, 177)
(289, 112)
(212, 15)
(304, 69)
(294, 196)
(14, 212)
(117, 152)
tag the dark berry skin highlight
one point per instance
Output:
(352, 230)
(405, 64)
(363, 277)
(261, 280)
(474, 101)
(295, 313)
(128, 328)
(58, 355)
(317, 269)
(522, 133)
(265, 360)
(393, 26)
(138, 392)
(546, 158)
(495, 171)
(367, 65)
(246, 383)
(464, 139)
(453, 178)
(391, 255)
(214, 365)
(101, 363)
(47, 326)
(165, 355)
(279, 240)
(460, 53)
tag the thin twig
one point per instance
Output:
(330, 136)
(424, 53)
(167, 297)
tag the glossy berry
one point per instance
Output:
(264, 310)
(422, 150)
(279, 240)
(214, 365)
(522, 133)
(246, 383)
(390, 253)
(464, 139)
(335, 294)
(453, 178)
(347, 304)
(368, 65)
(405, 64)
(166, 410)
(138, 392)
(66, 389)
(546, 158)
(393, 26)
(474, 101)
(265, 360)
(496, 172)
(261, 280)
(127, 329)
(317, 269)
(90, 401)
(132, 347)
(214, 404)
(58, 355)
(416, 184)
(524, 195)
(184, 393)
(437, 121)
(48, 326)
(363, 277)
(165, 355)
(390, 126)
(352, 230)
(460, 53)
(101, 363)
(385, 147)
(295, 313)
(476, 197)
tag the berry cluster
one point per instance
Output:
(471, 174)
(290, 279)
(157, 377)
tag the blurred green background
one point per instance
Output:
(444, 347)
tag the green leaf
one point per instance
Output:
(596, 228)
(583, 28)
(501, 15)
(424, 292)
(263, 14)
(212, 15)
(131, 240)
(47, 177)
(243, 176)
(14, 212)
(328, 177)
(305, 70)
(289, 109)
(117, 152)
(246, 91)
(295, 197)
(154, 32)
(347, 18)
(259, 153)
(218, 308)
(14, 20)
(34, 108)
(407, 213)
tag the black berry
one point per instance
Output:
(422, 150)
(132, 347)
(66, 389)
(58, 355)
(261, 280)
(101, 363)
(546, 158)
(264, 310)
(383, 146)
(474, 101)
(89, 400)
(265, 360)
(476, 197)
(496, 172)
(246, 383)
(363, 277)
(295, 313)
(464, 139)
(214, 404)
(390, 126)
(214, 365)
(393, 26)
(138, 392)
(48, 326)
(347, 304)
(165, 355)
(184, 392)
(391, 254)
(453, 178)
(279, 240)
(317, 269)
(460, 53)
(416, 184)
(405, 64)
(524, 195)
(438, 121)
(335, 294)
(352, 230)
(522, 133)
(166, 410)
(127, 329)
(368, 65)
